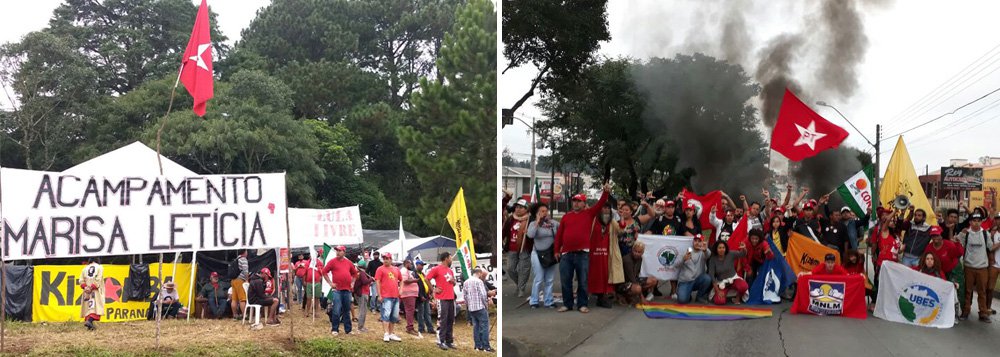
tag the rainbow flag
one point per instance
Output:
(702, 312)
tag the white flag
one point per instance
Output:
(911, 297)
(663, 256)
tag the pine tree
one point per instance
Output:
(451, 139)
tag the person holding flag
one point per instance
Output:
(572, 249)
(517, 247)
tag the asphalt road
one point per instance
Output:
(626, 331)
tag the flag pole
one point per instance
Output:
(163, 123)
(288, 241)
(159, 301)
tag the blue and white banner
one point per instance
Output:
(911, 297)
(774, 277)
(663, 256)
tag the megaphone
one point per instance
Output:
(901, 202)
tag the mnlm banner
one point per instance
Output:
(56, 295)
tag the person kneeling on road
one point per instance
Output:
(635, 287)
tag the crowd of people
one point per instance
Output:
(596, 247)
(379, 285)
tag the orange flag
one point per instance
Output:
(804, 254)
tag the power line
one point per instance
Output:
(980, 78)
(942, 115)
(943, 84)
(955, 133)
(961, 120)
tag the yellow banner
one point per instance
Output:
(56, 295)
(804, 254)
(458, 218)
(901, 179)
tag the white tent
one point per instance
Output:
(413, 245)
(132, 159)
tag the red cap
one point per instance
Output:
(935, 231)
(387, 255)
(780, 209)
(698, 237)
(319, 250)
(810, 205)
(691, 206)
(341, 248)
(214, 275)
(580, 197)
(265, 272)
(670, 203)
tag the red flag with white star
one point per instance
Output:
(196, 70)
(800, 133)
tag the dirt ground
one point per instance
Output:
(227, 337)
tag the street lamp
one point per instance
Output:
(533, 144)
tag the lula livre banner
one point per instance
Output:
(55, 215)
(338, 226)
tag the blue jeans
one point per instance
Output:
(569, 264)
(480, 328)
(542, 276)
(852, 232)
(373, 303)
(702, 284)
(299, 289)
(217, 306)
(910, 260)
(341, 311)
(424, 322)
(390, 310)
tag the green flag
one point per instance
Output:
(857, 191)
(326, 258)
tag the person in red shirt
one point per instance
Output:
(313, 281)
(517, 248)
(888, 245)
(444, 291)
(572, 249)
(340, 273)
(829, 266)
(300, 267)
(947, 252)
(388, 280)
(757, 251)
(853, 262)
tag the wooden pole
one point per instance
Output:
(288, 242)
(159, 301)
(163, 123)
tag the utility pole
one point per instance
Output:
(878, 144)
(533, 146)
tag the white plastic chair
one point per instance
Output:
(256, 308)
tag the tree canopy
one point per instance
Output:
(319, 89)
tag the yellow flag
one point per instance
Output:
(458, 218)
(901, 179)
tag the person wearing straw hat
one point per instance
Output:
(168, 297)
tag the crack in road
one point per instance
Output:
(780, 336)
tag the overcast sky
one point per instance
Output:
(915, 46)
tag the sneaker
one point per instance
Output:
(451, 346)
(489, 349)
(393, 337)
(534, 306)
(563, 309)
(673, 297)
(649, 297)
(442, 346)
(963, 317)
(411, 332)
(362, 330)
(334, 333)
(584, 309)
(985, 319)
(385, 337)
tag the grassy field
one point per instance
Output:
(225, 338)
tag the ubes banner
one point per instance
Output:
(340, 226)
(56, 295)
(825, 295)
(663, 256)
(804, 254)
(54, 215)
(912, 297)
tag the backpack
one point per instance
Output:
(233, 271)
